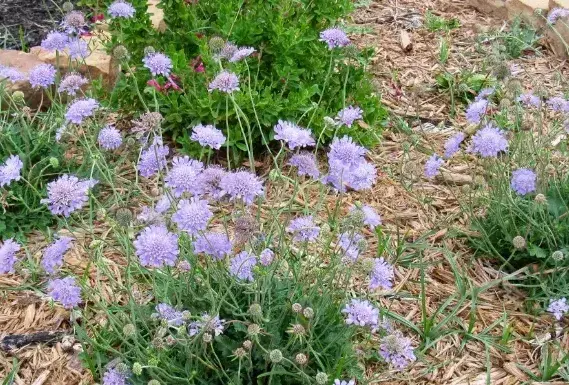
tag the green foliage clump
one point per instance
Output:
(436, 23)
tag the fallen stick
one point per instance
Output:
(15, 341)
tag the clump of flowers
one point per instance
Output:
(8, 251)
(65, 291)
(155, 246)
(67, 194)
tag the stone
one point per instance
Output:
(557, 38)
(532, 11)
(23, 62)
(558, 4)
(156, 15)
(495, 8)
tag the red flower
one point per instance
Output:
(99, 17)
(155, 84)
(197, 64)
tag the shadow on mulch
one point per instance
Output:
(24, 23)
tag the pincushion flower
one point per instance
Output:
(11, 170)
(78, 49)
(208, 136)
(155, 246)
(397, 350)
(349, 115)
(72, 83)
(335, 38)
(113, 376)
(158, 64)
(109, 138)
(523, 181)
(42, 76)
(216, 245)
(53, 255)
(303, 229)
(361, 177)
(65, 291)
(121, 9)
(209, 182)
(182, 176)
(293, 135)
(11, 74)
(8, 250)
(306, 164)
(225, 81)
(206, 324)
(81, 109)
(346, 152)
(382, 275)
(371, 217)
(361, 313)
(433, 165)
(242, 185)
(476, 111)
(529, 100)
(241, 266)
(241, 54)
(167, 313)
(452, 145)
(55, 41)
(153, 159)
(192, 216)
(489, 142)
(67, 194)
(558, 308)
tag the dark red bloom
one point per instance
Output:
(155, 84)
(99, 17)
(197, 64)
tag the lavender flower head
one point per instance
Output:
(81, 109)
(351, 243)
(556, 14)
(346, 152)
(78, 49)
(452, 145)
(216, 245)
(122, 9)
(306, 164)
(155, 246)
(241, 266)
(11, 170)
(110, 138)
(489, 142)
(182, 176)
(113, 376)
(67, 194)
(206, 324)
(476, 111)
(158, 64)
(242, 185)
(12, 74)
(72, 83)
(167, 313)
(153, 159)
(344, 382)
(227, 51)
(8, 252)
(349, 115)
(163, 204)
(529, 100)
(42, 75)
(382, 275)
(209, 181)
(433, 165)
(397, 350)
(303, 229)
(53, 255)
(361, 312)
(65, 291)
(484, 93)
(241, 54)
(371, 217)
(55, 41)
(74, 22)
(225, 81)
(361, 177)
(293, 135)
(266, 257)
(558, 104)
(558, 308)
(192, 216)
(335, 38)
(208, 136)
(523, 181)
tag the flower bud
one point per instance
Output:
(18, 97)
(129, 330)
(255, 310)
(276, 356)
(321, 378)
(67, 7)
(54, 162)
(137, 369)
(296, 307)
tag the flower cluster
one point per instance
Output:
(348, 167)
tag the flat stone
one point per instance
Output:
(557, 38)
(495, 8)
(156, 15)
(23, 62)
(558, 4)
(529, 10)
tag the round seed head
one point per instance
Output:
(558, 256)
(276, 356)
(120, 53)
(296, 307)
(255, 310)
(67, 7)
(124, 217)
(137, 369)
(297, 330)
(247, 344)
(18, 97)
(207, 338)
(321, 378)
(301, 359)
(540, 199)
(216, 44)
(129, 330)
(240, 353)
(149, 50)
(153, 382)
(308, 312)
(519, 242)
(253, 329)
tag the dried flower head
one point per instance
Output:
(301, 359)
(308, 312)
(519, 242)
(321, 378)
(275, 356)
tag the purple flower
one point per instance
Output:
(529, 100)
(476, 111)
(72, 83)
(55, 41)
(241, 266)
(156, 246)
(113, 376)
(81, 109)
(74, 22)
(361, 312)
(163, 204)
(371, 218)
(182, 176)
(303, 229)
(432, 166)
(241, 54)
(65, 291)
(209, 181)
(266, 257)
(558, 308)
(42, 75)
(306, 163)
(12, 74)
(349, 114)
(484, 93)
(216, 245)
(350, 243)
(337, 176)
(192, 216)
(225, 81)
(67, 194)
(208, 136)
(169, 314)
(361, 177)
(11, 170)
(121, 8)
(206, 324)
(344, 382)
(558, 104)
(53, 255)
(452, 145)
(334, 37)
(397, 350)
(489, 142)
(523, 181)
(557, 13)
(149, 215)
(382, 275)
(110, 138)
(8, 252)
(227, 52)
(242, 185)
(78, 49)
(346, 152)
(158, 64)
(153, 159)
(293, 135)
